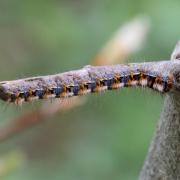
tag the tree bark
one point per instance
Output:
(163, 159)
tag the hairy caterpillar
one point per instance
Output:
(89, 79)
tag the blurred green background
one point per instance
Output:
(108, 137)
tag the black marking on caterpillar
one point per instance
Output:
(77, 83)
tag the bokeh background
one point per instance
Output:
(107, 137)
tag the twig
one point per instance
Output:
(37, 116)
(163, 159)
(127, 40)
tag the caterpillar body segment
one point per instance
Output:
(90, 79)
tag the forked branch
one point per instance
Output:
(163, 159)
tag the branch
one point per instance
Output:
(37, 116)
(163, 159)
(128, 39)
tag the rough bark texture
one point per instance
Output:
(163, 159)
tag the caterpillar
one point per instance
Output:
(90, 79)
